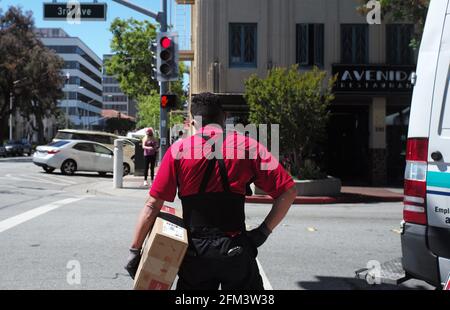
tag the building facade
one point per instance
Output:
(83, 100)
(233, 39)
(113, 97)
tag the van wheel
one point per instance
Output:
(69, 167)
(126, 169)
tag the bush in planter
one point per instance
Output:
(298, 102)
(310, 171)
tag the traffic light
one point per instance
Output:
(168, 101)
(167, 56)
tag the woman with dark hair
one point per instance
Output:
(150, 146)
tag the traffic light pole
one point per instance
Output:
(164, 89)
(160, 17)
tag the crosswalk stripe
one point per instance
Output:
(31, 214)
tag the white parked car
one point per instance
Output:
(78, 155)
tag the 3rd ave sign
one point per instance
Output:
(83, 11)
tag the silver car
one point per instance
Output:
(78, 155)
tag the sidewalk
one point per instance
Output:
(133, 187)
(349, 194)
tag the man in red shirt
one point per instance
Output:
(210, 170)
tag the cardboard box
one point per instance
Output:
(163, 252)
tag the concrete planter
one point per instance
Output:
(325, 187)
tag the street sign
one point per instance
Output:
(73, 9)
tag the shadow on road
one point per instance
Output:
(343, 283)
(80, 174)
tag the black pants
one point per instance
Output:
(149, 161)
(206, 266)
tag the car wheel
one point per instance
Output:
(102, 174)
(69, 167)
(48, 169)
(126, 169)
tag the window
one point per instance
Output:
(84, 147)
(243, 45)
(398, 38)
(102, 150)
(354, 43)
(58, 143)
(110, 80)
(100, 139)
(310, 44)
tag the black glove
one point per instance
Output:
(133, 262)
(259, 235)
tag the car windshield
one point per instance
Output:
(58, 143)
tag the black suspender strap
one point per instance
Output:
(224, 175)
(209, 170)
(207, 175)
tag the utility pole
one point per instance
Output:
(161, 18)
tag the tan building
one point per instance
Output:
(233, 39)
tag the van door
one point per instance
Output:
(438, 176)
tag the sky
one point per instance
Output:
(96, 34)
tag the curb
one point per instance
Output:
(344, 198)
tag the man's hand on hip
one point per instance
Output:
(259, 235)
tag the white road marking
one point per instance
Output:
(26, 216)
(44, 180)
(267, 285)
(35, 179)
(56, 178)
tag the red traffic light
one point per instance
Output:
(166, 42)
(168, 101)
(164, 101)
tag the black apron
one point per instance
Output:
(213, 214)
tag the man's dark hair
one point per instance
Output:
(207, 106)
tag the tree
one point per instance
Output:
(28, 70)
(132, 60)
(403, 10)
(132, 66)
(45, 88)
(148, 112)
(299, 103)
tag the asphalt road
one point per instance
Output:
(55, 234)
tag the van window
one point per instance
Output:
(78, 136)
(61, 135)
(445, 120)
(103, 139)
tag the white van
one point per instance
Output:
(426, 228)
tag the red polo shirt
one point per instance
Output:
(184, 165)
